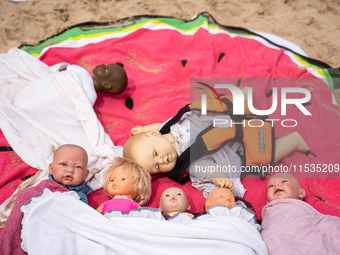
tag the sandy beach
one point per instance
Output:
(313, 25)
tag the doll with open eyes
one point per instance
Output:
(128, 184)
(174, 201)
(69, 169)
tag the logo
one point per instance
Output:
(204, 97)
(238, 102)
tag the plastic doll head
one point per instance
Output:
(220, 196)
(125, 177)
(110, 78)
(151, 150)
(284, 185)
(69, 166)
(173, 200)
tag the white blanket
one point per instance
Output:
(41, 109)
(58, 223)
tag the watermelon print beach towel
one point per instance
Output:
(160, 55)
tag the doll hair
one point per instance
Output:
(141, 178)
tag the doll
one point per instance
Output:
(284, 185)
(221, 202)
(159, 153)
(69, 169)
(110, 78)
(174, 201)
(127, 183)
(291, 225)
(219, 196)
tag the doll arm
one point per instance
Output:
(100, 208)
(140, 129)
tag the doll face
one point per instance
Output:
(110, 78)
(220, 196)
(173, 200)
(69, 166)
(284, 186)
(121, 184)
(155, 153)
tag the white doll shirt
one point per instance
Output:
(181, 132)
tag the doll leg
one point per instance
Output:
(289, 143)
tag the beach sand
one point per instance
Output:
(313, 25)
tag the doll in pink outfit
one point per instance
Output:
(128, 184)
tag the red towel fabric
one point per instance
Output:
(10, 238)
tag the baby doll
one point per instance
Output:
(284, 185)
(221, 202)
(292, 226)
(159, 153)
(127, 183)
(219, 196)
(69, 169)
(174, 201)
(110, 78)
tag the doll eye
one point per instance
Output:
(63, 164)
(123, 179)
(270, 186)
(112, 180)
(167, 195)
(79, 167)
(179, 194)
(221, 196)
(155, 153)
(284, 181)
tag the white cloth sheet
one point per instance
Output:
(41, 109)
(58, 223)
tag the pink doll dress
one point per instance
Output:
(121, 204)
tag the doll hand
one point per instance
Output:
(137, 130)
(224, 183)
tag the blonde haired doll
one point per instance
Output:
(127, 183)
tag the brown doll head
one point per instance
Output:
(110, 78)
